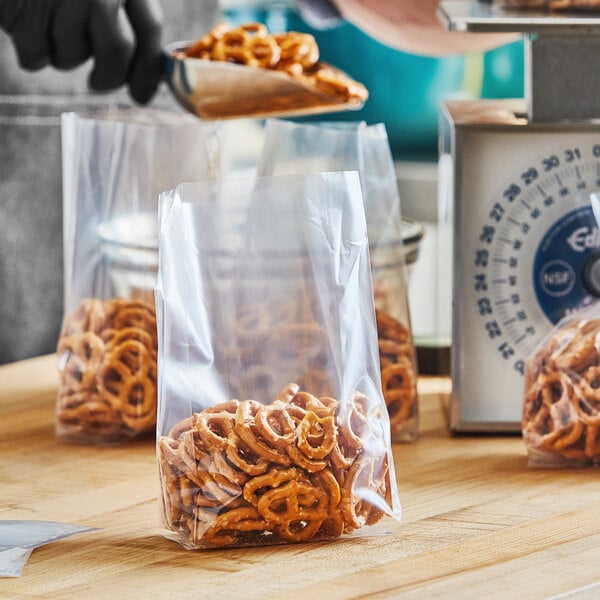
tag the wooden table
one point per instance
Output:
(477, 521)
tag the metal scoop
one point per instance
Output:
(222, 90)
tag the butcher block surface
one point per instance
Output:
(477, 521)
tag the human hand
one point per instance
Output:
(122, 36)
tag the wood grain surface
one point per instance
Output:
(477, 522)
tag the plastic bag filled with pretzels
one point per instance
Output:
(561, 412)
(115, 164)
(333, 146)
(271, 426)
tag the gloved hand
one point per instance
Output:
(122, 36)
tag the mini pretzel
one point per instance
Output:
(213, 489)
(88, 316)
(214, 428)
(322, 407)
(231, 47)
(333, 525)
(244, 458)
(336, 83)
(257, 486)
(205, 44)
(229, 470)
(357, 511)
(398, 372)
(286, 394)
(343, 455)
(180, 428)
(588, 388)
(297, 48)
(137, 316)
(226, 528)
(316, 435)
(355, 421)
(309, 464)
(192, 452)
(297, 508)
(264, 52)
(87, 414)
(390, 328)
(579, 350)
(327, 481)
(247, 45)
(353, 430)
(170, 454)
(172, 504)
(399, 389)
(80, 357)
(115, 337)
(127, 379)
(393, 349)
(275, 425)
(246, 429)
(550, 420)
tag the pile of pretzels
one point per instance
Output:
(301, 468)
(398, 374)
(561, 412)
(107, 355)
(293, 53)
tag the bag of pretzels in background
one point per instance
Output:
(115, 164)
(317, 147)
(561, 411)
(271, 424)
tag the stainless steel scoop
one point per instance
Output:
(222, 90)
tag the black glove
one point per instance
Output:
(123, 37)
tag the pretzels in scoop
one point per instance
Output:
(292, 53)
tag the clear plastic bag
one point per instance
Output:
(115, 164)
(296, 148)
(561, 410)
(271, 424)
(18, 539)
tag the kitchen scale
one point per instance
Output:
(519, 184)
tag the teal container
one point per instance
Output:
(504, 72)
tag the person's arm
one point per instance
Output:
(408, 25)
(122, 36)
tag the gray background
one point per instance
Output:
(31, 281)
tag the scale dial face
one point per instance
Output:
(526, 254)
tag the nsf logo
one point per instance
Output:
(557, 278)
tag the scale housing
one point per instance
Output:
(518, 182)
